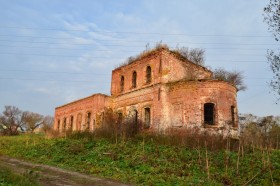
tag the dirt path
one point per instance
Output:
(48, 175)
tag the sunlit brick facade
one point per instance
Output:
(161, 90)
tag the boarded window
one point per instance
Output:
(177, 118)
(209, 113)
(88, 121)
(134, 79)
(147, 118)
(148, 74)
(122, 84)
(71, 122)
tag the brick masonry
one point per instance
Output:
(165, 90)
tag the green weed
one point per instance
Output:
(148, 160)
(9, 178)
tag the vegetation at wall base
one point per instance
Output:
(150, 160)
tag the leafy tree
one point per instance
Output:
(272, 18)
(32, 120)
(12, 120)
(234, 77)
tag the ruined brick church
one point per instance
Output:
(162, 90)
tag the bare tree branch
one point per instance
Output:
(272, 18)
(234, 77)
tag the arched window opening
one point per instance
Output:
(71, 122)
(148, 74)
(147, 118)
(58, 124)
(102, 118)
(134, 79)
(209, 113)
(64, 124)
(232, 109)
(135, 122)
(122, 83)
(88, 121)
(93, 124)
(79, 121)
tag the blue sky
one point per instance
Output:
(53, 52)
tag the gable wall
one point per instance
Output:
(175, 69)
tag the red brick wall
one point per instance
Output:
(140, 68)
(175, 96)
(174, 69)
(93, 104)
(166, 67)
(188, 99)
(139, 100)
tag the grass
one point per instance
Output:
(145, 161)
(9, 178)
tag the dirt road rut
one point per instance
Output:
(49, 175)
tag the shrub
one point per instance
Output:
(51, 133)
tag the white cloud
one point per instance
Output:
(97, 28)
